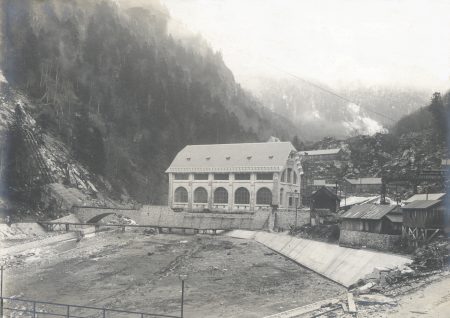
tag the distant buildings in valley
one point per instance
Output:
(248, 177)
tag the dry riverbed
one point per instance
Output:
(226, 277)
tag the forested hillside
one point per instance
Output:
(124, 94)
(418, 141)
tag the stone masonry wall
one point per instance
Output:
(367, 239)
(284, 219)
(163, 216)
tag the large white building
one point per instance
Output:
(235, 177)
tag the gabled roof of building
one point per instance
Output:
(326, 190)
(429, 196)
(245, 157)
(364, 181)
(319, 152)
(368, 211)
(421, 204)
(395, 218)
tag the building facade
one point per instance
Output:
(235, 177)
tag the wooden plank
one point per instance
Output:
(351, 303)
(344, 307)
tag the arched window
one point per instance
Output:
(200, 195)
(220, 195)
(264, 196)
(181, 195)
(289, 175)
(281, 196)
(283, 176)
(294, 177)
(242, 196)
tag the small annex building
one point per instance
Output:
(243, 177)
(324, 204)
(325, 198)
(371, 225)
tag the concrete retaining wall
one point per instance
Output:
(163, 216)
(284, 219)
(370, 240)
(340, 264)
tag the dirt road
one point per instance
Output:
(227, 277)
(430, 301)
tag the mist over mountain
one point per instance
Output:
(318, 113)
(110, 81)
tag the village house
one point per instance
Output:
(362, 185)
(243, 177)
(423, 220)
(371, 225)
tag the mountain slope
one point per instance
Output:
(319, 113)
(121, 92)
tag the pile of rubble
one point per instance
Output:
(324, 232)
(433, 256)
(429, 262)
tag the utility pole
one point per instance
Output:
(1, 292)
(182, 277)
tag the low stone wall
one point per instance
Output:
(163, 216)
(370, 240)
(284, 219)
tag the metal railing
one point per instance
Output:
(34, 308)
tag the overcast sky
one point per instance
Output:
(373, 42)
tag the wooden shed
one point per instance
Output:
(423, 220)
(325, 198)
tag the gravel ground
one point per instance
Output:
(226, 277)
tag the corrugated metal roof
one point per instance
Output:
(395, 218)
(421, 204)
(319, 152)
(357, 200)
(368, 211)
(364, 181)
(424, 196)
(265, 156)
